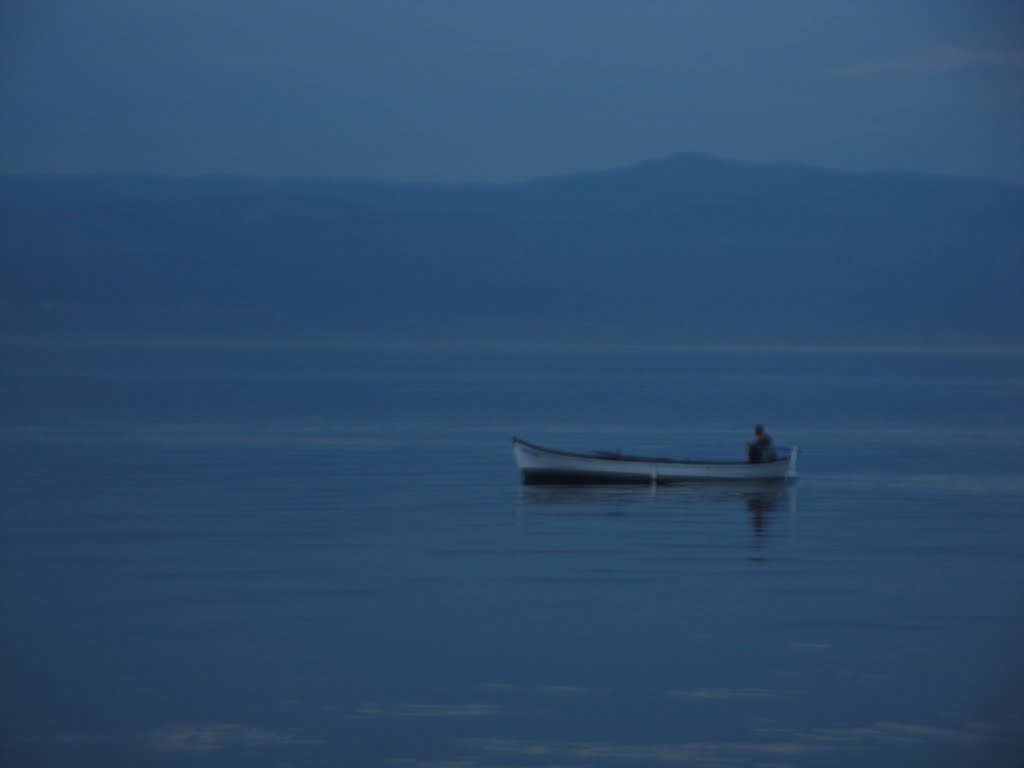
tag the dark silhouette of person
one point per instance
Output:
(760, 448)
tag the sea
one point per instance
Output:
(288, 552)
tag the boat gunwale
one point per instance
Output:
(627, 458)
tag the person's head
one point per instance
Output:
(758, 429)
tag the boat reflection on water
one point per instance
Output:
(763, 504)
(762, 501)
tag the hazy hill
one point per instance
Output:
(684, 249)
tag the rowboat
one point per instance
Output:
(545, 465)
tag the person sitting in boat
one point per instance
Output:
(761, 448)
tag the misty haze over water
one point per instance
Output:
(683, 250)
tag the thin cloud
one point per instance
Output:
(893, 731)
(772, 744)
(192, 737)
(216, 736)
(543, 690)
(937, 61)
(723, 694)
(440, 711)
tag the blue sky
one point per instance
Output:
(498, 90)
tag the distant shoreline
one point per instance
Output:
(213, 341)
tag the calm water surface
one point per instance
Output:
(288, 555)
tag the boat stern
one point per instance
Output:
(791, 467)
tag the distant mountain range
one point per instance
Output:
(685, 249)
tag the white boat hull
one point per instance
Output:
(544, 465)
